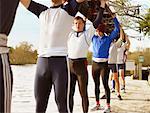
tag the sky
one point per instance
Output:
(26, 28)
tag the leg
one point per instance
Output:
(61, 79)
(113, 82)
(105, 78)
(122, 77)
(43, 85)
(116, 78)
(1, 87)
(73, 78)
(112, 67)
(83, 83)
(96, 78)
(121, 70)
(6, 81)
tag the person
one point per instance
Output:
(112, 62)
(100, 48)
(121, 59)
(52, 65)
(78, 44)
(7, 15)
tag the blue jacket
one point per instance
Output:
(101, 45)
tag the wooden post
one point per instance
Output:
(140, 70)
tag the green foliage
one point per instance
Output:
(145, 23)
(23, 54)
(135, 56)
(89, 58)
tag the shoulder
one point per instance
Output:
(95, 37)
(45, 12)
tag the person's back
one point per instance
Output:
(112, 64)
(120, 54)
(56, 25)
(112, 58)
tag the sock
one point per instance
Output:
(108, 105)
(118, 94)
(97, 102)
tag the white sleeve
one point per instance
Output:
(91, 47)
(90, 30)
(124, 46)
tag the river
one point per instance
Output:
(23, 100)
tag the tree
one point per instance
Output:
(89, 58)
(131, 16)
(23, 54)
(145, 23)
(128, 12)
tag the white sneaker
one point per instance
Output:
(107, 110)
(112, 90)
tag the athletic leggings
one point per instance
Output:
(6, 81)
(52, 71)
(102, 69)
(79, 73)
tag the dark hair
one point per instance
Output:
(102, 27)
(80, 18)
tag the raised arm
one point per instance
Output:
(128, 42)
(99, 17)
(124, 38)
(122, 34)
(121, 37)
(84, 9)
(25, 3)
(34, 7)
(71, 6)
(116, 30)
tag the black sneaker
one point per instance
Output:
(119, 97)
(103, 97)
(123, 89)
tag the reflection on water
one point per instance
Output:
(23, 95)
(23, 91)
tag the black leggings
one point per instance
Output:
(79, 73)
(52, 71)
(102, 69)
